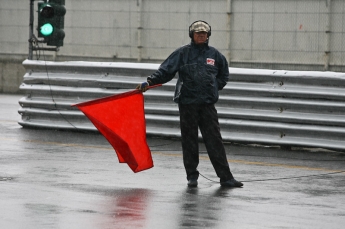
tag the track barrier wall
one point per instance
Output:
(269, 107)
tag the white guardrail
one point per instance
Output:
(285, 108)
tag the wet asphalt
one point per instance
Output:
(66, 179)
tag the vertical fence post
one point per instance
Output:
(140, 28)
(229, 13)
(328, 34)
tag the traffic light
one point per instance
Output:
(51, 17)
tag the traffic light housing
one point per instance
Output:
(51, 17)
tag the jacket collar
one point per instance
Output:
(205, 45)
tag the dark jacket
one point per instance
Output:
(202, 70)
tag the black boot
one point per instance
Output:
(231, 183)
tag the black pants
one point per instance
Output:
(205, 117)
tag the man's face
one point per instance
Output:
(199, 37)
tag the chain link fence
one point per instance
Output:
(271, 34)
(290, 34)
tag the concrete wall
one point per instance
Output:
(271, 34)
(11, 76)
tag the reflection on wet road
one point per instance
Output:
(60, 179)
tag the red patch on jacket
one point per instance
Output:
(210, 61)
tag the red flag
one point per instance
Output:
(121, 120)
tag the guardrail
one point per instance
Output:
(286, 108)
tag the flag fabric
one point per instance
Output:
(121, 120)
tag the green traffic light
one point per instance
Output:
(46, 29)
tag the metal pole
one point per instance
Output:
(328, 35)
(229, 13)
(139, 30)
(31, 28)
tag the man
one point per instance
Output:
(203, 70)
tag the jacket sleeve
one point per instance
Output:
(166, 70)
(223, 73)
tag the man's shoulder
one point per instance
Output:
(213, 48)
(216, 51)
(182, 48)
(186, 46)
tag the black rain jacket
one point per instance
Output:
(202, 71)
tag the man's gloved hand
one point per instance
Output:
(143, 86)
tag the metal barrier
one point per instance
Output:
(285, 108)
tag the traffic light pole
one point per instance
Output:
(32, 37)
(31, 29)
